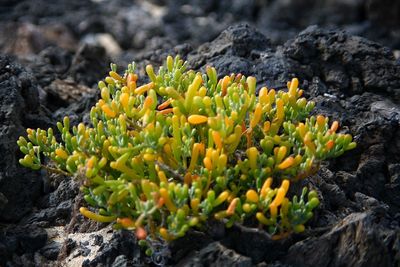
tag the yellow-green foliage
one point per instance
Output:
(166, 156)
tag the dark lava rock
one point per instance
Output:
(374, 121)
(358, 234)
(255, 57)
(256, 244)
(180, 248)
(238, 245)
(19, 109)
(237, 42)
(327, 60)
(65, 77)
(348, 63)
(46, 217)
(215, 254)
(20, 240)
(50, 64)
(89, 65)
(55, 208)
(66, 190)
(122, 243)
(51, 250)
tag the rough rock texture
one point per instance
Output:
(19, 108)
(64, 78)
(20, 243)
(348, 63)
(350, 78)
(56, 208)
(122, 243)
(216, 254)
(358, 234)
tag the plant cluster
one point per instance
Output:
(166, 156)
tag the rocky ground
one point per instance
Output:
(53, 54)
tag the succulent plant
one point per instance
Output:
(165, 156)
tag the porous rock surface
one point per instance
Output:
(357, 224)
(19, 108)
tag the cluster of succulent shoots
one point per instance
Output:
(168, 155)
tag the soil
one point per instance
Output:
(52, 53)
